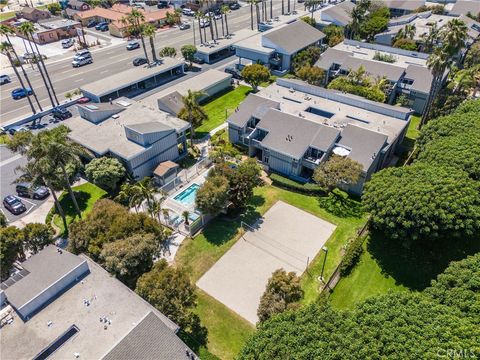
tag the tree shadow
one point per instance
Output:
(340, 204)
(66, 202)
(417, 265)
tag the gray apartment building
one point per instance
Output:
(407, 74)
(292, 127)
(63, 306)
(138, 135)
(275, 48)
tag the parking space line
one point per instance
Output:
(28, 201)
(103, 72)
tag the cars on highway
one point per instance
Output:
(19, 93)
(28, 190)
(235, 6)
(100, 24)
(67, 43)
(81, 61)
(61, 113)
(184, 26)
(139, 61)
(236, 74)
(83, 100)
(82, 54)
(14, 205)
(17, 128)
(132, 45)
(4, 79)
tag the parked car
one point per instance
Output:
(204, 23)
(14, 205)
(19, 93)
(198, 60)
(132, 45)
(15, 129)
(184, 26)
(162, 4)
(80, 61)
(34, 192)
(83, 100)
(236, 74)
(4, 79)
(82, 54)
(139, 61)
(67, 43)
(188, 12)
(104, 27)
(235, 6)
(91, 23)
(100, 24)
(61, 113)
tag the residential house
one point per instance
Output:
(60, 305)
(139, 136)
(463, 7)
(78, 5)
(407, 73)
(277, 47)
(338, 14)
(49, 30)
(292, 127)
(166, 172)
(33, 14)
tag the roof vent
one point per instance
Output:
(115, 116)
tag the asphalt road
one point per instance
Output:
(106, 61)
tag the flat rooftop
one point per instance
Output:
(129, 77)
(279, 20)
(225, 42)
(337, 115)
(108, 298)
(109, 135)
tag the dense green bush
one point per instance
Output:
(342, 83)
(290, 184)
(352, 255)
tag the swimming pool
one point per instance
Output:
(187, 196)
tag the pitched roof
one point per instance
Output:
(332, 56)
(253, 105)
(403, 4)
(421, 76)
(294, 37)
(151, 339)
(291, 135)
(374, 68)
(149, 127)
(463, 7)
(164, 167)
(340, 12)
(171, 103)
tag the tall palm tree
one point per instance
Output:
(148, 30)
(225, 11)
(209, 15)
(145, 191)
(257, 12)
(192, 107)
(271, 9)
(129, 194)
(27, 29)
(7, 49)
(135, 19)
(357, 16)
(430, 39)
(198, 16)
(288, 6)
(311, 5)
(409, 31)
(454, 35)
(252, 2)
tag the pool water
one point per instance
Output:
(187, 196)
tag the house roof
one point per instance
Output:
(172, 102)
(76, 3)
(294, 37)
(151, 339)
(421, 76)
(30, 10)
(473, 26)
(149, 127)
(44, 269)
(365, 145)
(164, 167)
(292, 135)
(332, 56)
(374, 68)
(253, 105)
(340, 12)
(463, 7)
(403, 4)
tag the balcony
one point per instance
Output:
(256, 143)
(275, 61)
(311, 162)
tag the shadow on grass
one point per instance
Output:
(417, 266)
(82, 201)
(340, 204)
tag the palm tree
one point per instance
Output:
(185, 216)
(209, 13)
(27, 29)
(129, 194)
(7, 49)
(454, 35)
(357, 16)
(430, 39)
(288, 6)
(135, 19)
(257, 12)
(198, 16)
(252, 2)
(271, 9)
(225, 10)
(190, 108)
(409, 31)
(145, 191)
(311, 5)
(149, 31)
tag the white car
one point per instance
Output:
(80, 61)
(188, 12)
(67, 43)
(4, 79)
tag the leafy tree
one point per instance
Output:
(242, 182)
(423, 201)
(3, 220)
(309, 20)
(283, 292)
(255, 74)
(105, 172)
(170, 290)
(54, 8)
(309, 56)
(10, 248)
(168, 51)
(337, 171)
(472, 57)
(458, 286)
(311, 74)
(36, 236)
(212, 196)
(375, 22)
(405, 44)
(334, 34)
(188, 52)
(108, 222)
(129, 258)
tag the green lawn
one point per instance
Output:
(7, 15)
(200, 254)
(219, 108)
(413, 132)
(86, 194)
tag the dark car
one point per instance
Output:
(234, 6)
(100, 24)
(91, 23)
(139, 61)
(184, 26)
(104, 27)
(236, 74)
(61, 113)
(132, 45)
(162, 4)
(14, 204)
(34, 192)
(21, 93)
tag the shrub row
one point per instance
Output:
(352, 255)
(290, 184)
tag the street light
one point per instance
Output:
(325, 249)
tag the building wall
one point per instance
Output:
(217, 88)
(282, 163)
(419, 101)
(53, 291)
(35, 15)
(252, 55)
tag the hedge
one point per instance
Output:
(352, 255)
(290, 184)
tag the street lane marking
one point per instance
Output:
(78, 80)
(12, 159)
